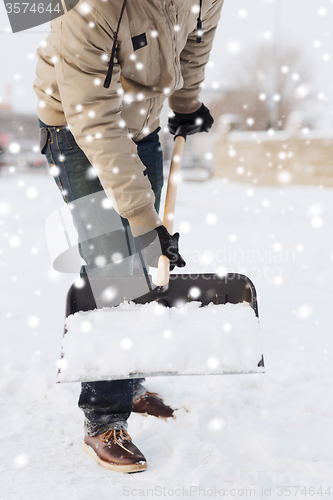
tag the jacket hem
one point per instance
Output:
(50, 116)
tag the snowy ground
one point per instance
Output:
(252, 436)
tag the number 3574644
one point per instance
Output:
(22, 8)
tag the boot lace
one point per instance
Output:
(115, 435)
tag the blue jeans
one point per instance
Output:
(106, 404)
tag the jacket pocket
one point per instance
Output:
(140, 62)
(43, 137)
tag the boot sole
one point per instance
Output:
(118, 468)
(150, 415)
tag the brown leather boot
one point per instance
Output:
(114, 450)
(151, 404)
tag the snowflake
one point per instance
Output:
(303, 312)
(185, 227)
(31, 192)
(21, 461)
(14, 241)
(242, 13)
(117, 257)
(85, 8)
(216, 424)
(321, 11)
(317, 222)
(100, 261)
(4, 208)
(194, 292)
(284, 177)
(277, 247)
(79, 283)
(106, 204)
(234, 47)
(212, 363)
(109, 293)
(85, 326)
(33, 321)
(126, 344)
(211, 219)
(14, 148)
(221, 271)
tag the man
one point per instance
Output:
(102, 77)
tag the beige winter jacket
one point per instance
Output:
(163, 61)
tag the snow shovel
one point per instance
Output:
(185, 324)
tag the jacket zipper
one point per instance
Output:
(175, 62)
(173, 37)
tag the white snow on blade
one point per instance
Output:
(199, 334)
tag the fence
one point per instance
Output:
(270, 158)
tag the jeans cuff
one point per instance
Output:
(95, 428)
(138, 389)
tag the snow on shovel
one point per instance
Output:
(129, 327)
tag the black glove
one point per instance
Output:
(160, 242)
(199, 121)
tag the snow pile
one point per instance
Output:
(112, 343)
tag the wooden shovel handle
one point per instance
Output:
(170, 205)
